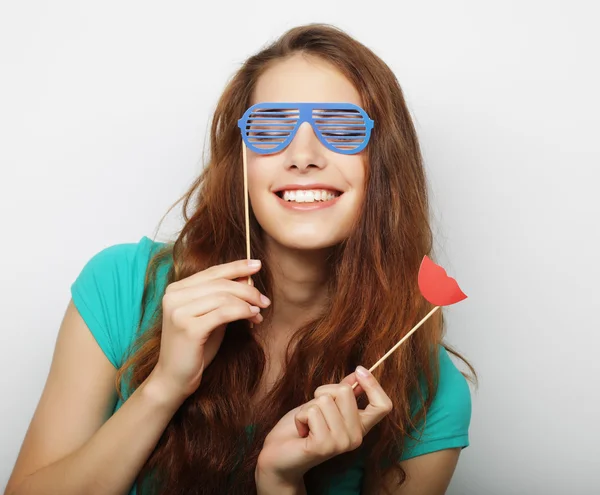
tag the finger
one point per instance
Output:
(230, 271)
(346, 404)
(311, 420)
(204, 325)
(246, 280)
(258, 318)
(301, 420)
(215, 310)
(336, 422)
(181, 296)
(351, 380)
(379, 403)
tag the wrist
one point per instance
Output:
(158, 391)
(268, 482)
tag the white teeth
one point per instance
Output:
(308, 196)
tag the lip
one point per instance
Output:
(317, 205)
(304, 187)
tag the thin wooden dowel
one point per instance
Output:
(388, 353)
(246, 206)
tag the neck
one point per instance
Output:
(299, 287)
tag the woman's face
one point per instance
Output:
(331, 183)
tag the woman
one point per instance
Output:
(223, 386)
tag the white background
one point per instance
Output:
(103, 113)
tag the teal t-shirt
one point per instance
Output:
(108, 295)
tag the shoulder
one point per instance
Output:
(448, 418)
(453, 395)
(122, 256)
(108, 293)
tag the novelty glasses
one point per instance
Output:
(341, 127)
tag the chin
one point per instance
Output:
(306, 243)
(311, 246)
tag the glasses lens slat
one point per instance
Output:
(267, 129)
(342, 129)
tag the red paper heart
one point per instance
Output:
(436, 286)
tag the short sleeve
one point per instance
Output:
(108, 294)
(449, 416)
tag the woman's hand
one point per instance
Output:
(196, 311)
(327, 426)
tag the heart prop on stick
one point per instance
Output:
(435, 286)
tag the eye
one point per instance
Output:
(267, 128)
(344, 129)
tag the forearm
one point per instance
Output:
(278, 489)
(110, 461)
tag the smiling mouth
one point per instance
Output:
(309, 196)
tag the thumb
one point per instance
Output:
(351, 380)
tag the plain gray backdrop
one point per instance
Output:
(103, 113)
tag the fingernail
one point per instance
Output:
(254, 309)
(253, 263)
(362, 372)
(265, 299)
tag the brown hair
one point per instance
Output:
(205, 448)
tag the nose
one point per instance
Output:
(305, 151)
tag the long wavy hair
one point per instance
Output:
(373, 294)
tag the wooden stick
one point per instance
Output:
(388, 353)
(246, 208)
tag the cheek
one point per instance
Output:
(256, 172)
(259, 180)
(355, 173)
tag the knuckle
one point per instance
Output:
(313, 411)
(325, 399)
(319, 390)
(178, 317)
(346, 388)
(254, 293)
(388, 405)
(223, 298)
(248, 292)
(224, 312)
(167, 301)
(329, 447)
(342, 443)
(356, 440)
(230, 311)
